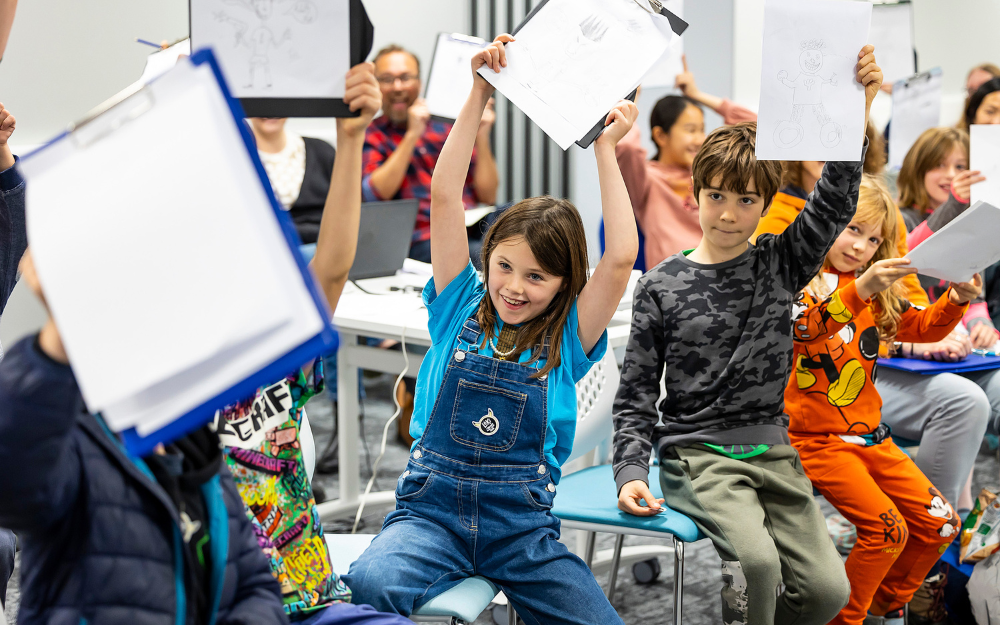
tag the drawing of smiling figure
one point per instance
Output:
(807, 89)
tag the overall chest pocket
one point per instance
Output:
(486, 417)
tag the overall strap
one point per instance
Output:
(471, 334)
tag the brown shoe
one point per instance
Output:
(927, 604)
(405, 399)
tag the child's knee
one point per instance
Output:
(825, 592)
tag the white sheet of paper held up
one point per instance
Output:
(450, 78)
(575, 59)
(984, 156)
(966, 245)
(161, 257)
(267, 49)
(892, 35)
(916, 107)
(811, 106)
(163, 60)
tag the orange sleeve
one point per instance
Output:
(777, 219)
(928, 325)
(911, 283)
(814, 321)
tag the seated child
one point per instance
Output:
(715, 324)
(660, 189)
(903, 522)
(496, 400)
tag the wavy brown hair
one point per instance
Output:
(554, 232)
(875, 206)
(929, 151)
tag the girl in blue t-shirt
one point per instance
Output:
(495, 407)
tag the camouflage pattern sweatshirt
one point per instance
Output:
(720, 336)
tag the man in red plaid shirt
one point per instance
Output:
(402, 147)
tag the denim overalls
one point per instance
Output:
(475, 499)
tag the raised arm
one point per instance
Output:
(338, 230)
(485, 178)
(600, 297)
(7, 8)
(13, 236)
(731, 112)
(816, 321)
(449, 240)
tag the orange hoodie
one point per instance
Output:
(832, 388)
(786, 208)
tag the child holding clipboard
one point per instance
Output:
(495, 406)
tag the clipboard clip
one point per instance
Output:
(921, 77)
(111, 115)
(656, 7)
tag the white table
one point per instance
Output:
(386, 314)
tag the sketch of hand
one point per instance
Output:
(782, 75)
(833, 80)
(594, 28)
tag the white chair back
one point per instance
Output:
(595, 398)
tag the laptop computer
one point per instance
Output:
(383, 238)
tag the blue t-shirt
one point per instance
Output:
(449, 310)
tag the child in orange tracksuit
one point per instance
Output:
(849, 309)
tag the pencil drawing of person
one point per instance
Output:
(807, 89)
(260, 41)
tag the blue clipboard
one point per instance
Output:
(324, 342)
(974, 362)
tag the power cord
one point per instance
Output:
(385, 432)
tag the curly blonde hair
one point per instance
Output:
(875, 206)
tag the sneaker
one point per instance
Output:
(892, 618)
(927, 605)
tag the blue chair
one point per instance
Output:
(588, 499)
(461, 604)
(640, 259)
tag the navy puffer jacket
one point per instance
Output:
(101, 538)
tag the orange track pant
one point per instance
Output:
(904, 524)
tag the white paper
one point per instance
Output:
(984, 156)
(665, 71)
(575, 59)
(277, 49)
(892, 36)
(162, 61)
(916, 107)
(450, 79)
(162, 260)
(475, 215)
(966, 245)
(811, 106)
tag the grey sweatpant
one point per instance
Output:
(764, 521)
(948, 413)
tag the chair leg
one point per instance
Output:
(615, 559)
(588, 556)
(678, 581)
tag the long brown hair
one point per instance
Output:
(929, 151)
(554, 232)
(875, 205)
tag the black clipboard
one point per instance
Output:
(676, 24)
(362, 38)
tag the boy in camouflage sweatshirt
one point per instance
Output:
(715, 324)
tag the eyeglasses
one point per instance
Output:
(389, 81)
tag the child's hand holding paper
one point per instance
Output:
(493, 56)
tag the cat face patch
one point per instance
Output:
(488, 424)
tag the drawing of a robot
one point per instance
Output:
(808, 93)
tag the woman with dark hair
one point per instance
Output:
(983, 106)
(660, 189)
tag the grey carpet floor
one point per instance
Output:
(636, 603)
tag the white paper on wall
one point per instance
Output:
(811, 106)
(892, 35)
